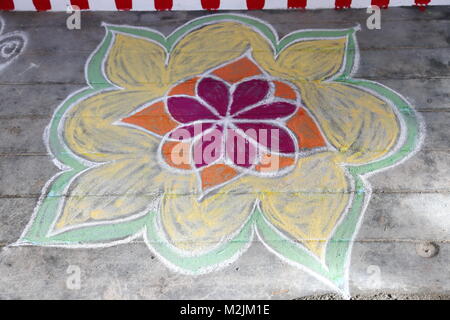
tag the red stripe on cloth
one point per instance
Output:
(210, 4)
(255, 4)
(163, 5)
(6, 5)
(384, 4)
(42, 5)
(82, 4)
(421, 4)
(342, 4)
(124, 4)
(297, 4)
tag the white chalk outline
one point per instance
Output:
(19, 34)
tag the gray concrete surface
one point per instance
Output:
(410, 204)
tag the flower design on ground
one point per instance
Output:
(131, 146)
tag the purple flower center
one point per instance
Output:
(233, 122)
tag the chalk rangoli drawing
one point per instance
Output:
(113, 141)
(11, 45)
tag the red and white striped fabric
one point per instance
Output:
(150, 5)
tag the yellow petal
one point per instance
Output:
(135, 63)
(214, 45)
(311, 60)
(196, 226)
(90, 132)
(307, 204)
(361, 126)
(113, 190)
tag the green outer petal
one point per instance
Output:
(198, 264)
(38, 231)
(287, 248)
(337, 253)
(94, 74)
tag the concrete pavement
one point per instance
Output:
(410, 203)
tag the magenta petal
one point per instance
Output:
(215, 93)
(208, 149)
(239, 149)
(273, 137)
(269, 111)
(190, 131)
(186, 109)
(248, 93)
